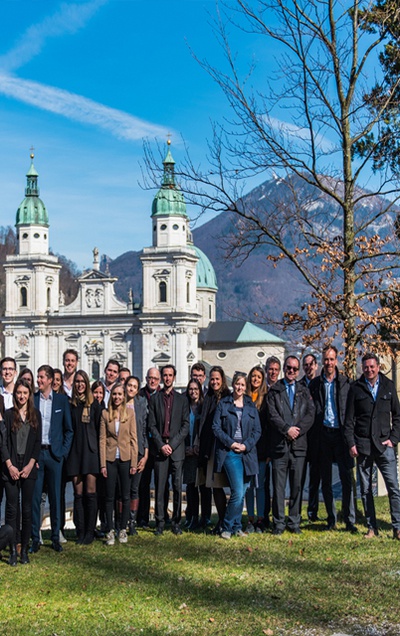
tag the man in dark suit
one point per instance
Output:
(168, 425)
(372, 430)
(290, 415)
(310, 368)
(329, 392)
(57, 436)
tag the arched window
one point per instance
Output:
(188, 292)
(48, 297)
(95, 370)
(24, 297)
(163, 292)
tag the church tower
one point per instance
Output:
(32, 281)
(169, 313)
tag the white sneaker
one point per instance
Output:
(225, 535)
(123, 537)
(62, 539)
(110, 536)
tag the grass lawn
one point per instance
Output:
(316, 584)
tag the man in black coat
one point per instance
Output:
(168, 425)
(372, 430)
(289, 417)
(310, 368)
(329, 392)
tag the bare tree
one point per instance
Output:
(325, 51)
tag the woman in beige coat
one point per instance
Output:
(118, 457)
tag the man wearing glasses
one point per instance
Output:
(290, 416)
(8, 373)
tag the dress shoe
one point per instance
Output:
(295, 530)
(13, 558)
(396, 534)
(372, 532)
(176, 529)
(350, 527)
(250, 529)
(313, 518)
(277, 532)
(35, 547)
(159, 531)
(330, 526)
(56, 546)
(24, 556)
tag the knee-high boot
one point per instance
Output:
(79, 518)
(91, 518)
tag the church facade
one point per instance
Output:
(178, 302)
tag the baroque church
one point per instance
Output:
(174, 323)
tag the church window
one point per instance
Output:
(260, 354)
(163, 227)
(36, 235)
(221, 355)
(24, 297)
(175, 226)
(95, 370)
(162, 292)
(188, 292)
(45, 236)
(25, 235)
(48, 297)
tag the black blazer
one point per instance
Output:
(9, 445)
(368, 423)
(179, 424)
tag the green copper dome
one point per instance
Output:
(32, 210)
(205, 274)
(169, 200)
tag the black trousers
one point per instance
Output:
(284, 466)
(163, 467)
(15, 489)
(118, 472)
(333, 450)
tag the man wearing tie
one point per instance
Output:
(57, 436)
(290, 415)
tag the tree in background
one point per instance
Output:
(322, 153)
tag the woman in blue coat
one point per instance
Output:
(237, 429)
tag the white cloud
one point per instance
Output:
(68, 19)
(78, 108)
(300, 133)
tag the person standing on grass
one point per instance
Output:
(371, 432)
(139, 405)
(290, 415)
(310, 368)
(118, 457)
(57, 437)
(168, 426)
(237, 429)
(329, 392)
(20, 451)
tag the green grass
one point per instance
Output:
(317, 584)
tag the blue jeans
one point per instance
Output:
(387, 464)
(260, 492)
(233, 466)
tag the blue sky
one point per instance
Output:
(83, 83)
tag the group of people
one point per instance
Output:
(111, 436)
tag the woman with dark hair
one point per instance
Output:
(58, 382)
(98, 392)
(26, 374)
(139, 404)
(207, 478)
(20, 452)
(118, 457)
(83, 460)
(194, 394)
(237, 429)
(256, 389)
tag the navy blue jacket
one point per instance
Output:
(61, 432)
(224, 427)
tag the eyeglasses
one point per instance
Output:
(289, 368)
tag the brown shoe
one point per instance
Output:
(396, 534)
(372, 532)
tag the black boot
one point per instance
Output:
(24, 555)
(13, 558)
(91, 518)
(79, 518)
(132, 522)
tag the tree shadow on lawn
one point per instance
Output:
(294, 581)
